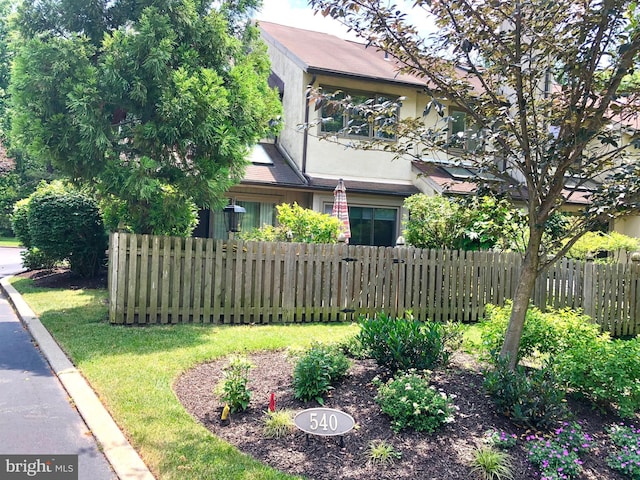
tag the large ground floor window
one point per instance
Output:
(257, 214)
(371, 225)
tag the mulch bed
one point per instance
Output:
(442, 455)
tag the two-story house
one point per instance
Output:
(303, 165)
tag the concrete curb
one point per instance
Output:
(124, 460)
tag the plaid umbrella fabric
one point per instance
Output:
(341, 209)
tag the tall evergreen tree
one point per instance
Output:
(155, 104)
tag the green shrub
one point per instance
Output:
(169, 212)
(20, 222)
(316, 370)
(412, 403)
(548, 332)
(404, 343)
(235, 390)
(594, 243)
(353, 348)
(605, 371)
(533, 397)
(297, 224)
(65, 224)
(34, 259)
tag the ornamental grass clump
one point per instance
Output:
(411, 403)
(278, 423)
(491, 464)
(382, 453)
(626, 457)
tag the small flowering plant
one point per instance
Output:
(411, 403)
(571, 436)
(626, 458)
(554, 460)
(501, 439)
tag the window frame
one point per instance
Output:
(462, 146)
(373, 131)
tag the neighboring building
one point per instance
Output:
(301, 166)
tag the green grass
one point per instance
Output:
(133, 369)
(9, 242)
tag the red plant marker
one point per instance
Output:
(272, 402)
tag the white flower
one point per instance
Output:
(407, 386)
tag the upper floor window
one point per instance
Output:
(463, 133)
(372, 115)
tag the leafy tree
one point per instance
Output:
(154, 104)
(541, 83)
(297, 224)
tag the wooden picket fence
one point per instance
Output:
(161, 280)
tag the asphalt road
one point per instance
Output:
(37, 416)
(10, 261)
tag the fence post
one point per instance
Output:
(587, 287)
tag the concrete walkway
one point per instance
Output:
(39, 388)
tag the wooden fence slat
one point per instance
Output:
(210, 305)
(154, 284)
(198, 269)
(114, 265)
(133, 276)
(187, 291)
(143, 292)
(176, 273)
(165, 286)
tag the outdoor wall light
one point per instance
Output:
(233, 217)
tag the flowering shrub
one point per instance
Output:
(558, 458)
(626, 458)
(412, 403)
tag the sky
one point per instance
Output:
(297, 13)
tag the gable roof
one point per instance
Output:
(321, 53)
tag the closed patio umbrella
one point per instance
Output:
(341, 209)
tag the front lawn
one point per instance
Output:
(133, 370)
(9, 242)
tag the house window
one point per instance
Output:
(463, 133)
(371, 225)
(257, 214)
(355, 122)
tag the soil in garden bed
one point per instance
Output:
(442, 455)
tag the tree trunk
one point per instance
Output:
(524, 290)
